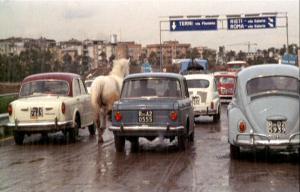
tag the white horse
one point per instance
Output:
(105, 90)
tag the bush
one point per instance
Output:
(4, 101)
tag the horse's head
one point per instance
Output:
(121, 67)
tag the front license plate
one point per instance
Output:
(145, 116)
(276, 126)
(36, 112)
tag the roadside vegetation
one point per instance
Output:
(4, 101)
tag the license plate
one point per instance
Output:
(36, 112)
(196, 101)
(276, 126)
(145, 116)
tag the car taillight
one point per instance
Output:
(242, 127)
(173, 115)
(212, 105)
(118, 116)
(9, 109)
(63, 108)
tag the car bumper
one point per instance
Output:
(147, 130)
(48, 126)
(261, 140)
(225, 98)
(202, 111)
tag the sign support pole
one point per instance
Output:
(287, 32)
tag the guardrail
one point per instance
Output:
(3, 120)
(9, 94)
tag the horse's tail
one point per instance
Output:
(96, 93)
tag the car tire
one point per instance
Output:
(92, 129)
(119, 143)
(191, 137)
(134, 144)
(234, 151)
(182, 142)
(19, 138)
(216, 118)
(73, 132)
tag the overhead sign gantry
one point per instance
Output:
(269, 20)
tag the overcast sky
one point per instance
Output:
(138, 20)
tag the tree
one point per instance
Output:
(230, 55)
(142, 58)
(153, 58)
(194, 53)
(67, 61)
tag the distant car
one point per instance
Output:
(204, 94)
(88, 84)
(264, 112)
(153, 105)
(226, 85)
(51, 102)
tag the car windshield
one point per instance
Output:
(225, 80)
(198, 83)
(151, 87)
(88, 83)
(273, 83)
(41, 87)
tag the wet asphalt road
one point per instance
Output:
(53, 165)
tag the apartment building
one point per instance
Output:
(170, 49)
(129, 50)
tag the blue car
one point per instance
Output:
(153, 105)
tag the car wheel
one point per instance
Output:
(182, 142)
(191, 137)
(73, 132)
(217, 117)
(234, 151)
(19, 138)
(119, 143)
(134, 144)
(92, 129)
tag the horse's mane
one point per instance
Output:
(119, 66)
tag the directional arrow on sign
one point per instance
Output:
(173, 26)
(271, 20)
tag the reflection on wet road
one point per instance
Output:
(53, 165)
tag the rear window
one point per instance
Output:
(198, 83)
(225, 80)
(88, 83)
(274, 83)
(151, 87)
(42, 87)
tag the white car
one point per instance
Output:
(88, 84)
(51, 102)
(204, 94)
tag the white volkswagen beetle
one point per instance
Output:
(51, 102)
(265, 109)
(204, 94)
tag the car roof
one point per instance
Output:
(154, 75)
(56, 75)
(236, 62)
(209, 76)
(268, 70)
(224, 73)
